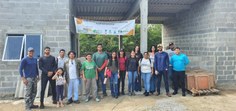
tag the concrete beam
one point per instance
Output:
(98, 4)
(99, 14)
(144, 25)
(162, 14)
(133, 10)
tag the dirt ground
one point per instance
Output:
(225, 101)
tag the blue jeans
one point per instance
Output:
(101, 78)
(59, 90)
(132, 75)
(114, 84)
(153, 83)
(73, 86)
(170, 73)
(159, 77)
(138, 81)
(146, 78)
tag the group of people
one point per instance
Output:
(66, 74)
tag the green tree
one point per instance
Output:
(88, 43)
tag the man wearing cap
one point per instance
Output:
(170, 52)
(161, 65)
(29, 75)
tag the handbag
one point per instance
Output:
(108, 73)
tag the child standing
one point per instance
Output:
(90, 75)
(113, 66)
(60, 81)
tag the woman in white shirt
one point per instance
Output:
(146, 67)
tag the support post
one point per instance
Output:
(144, 25)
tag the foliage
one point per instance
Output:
(88, 43)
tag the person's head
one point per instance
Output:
(132, 54)
(113, 55)
(47, 50)
(62, 52)
(137, 49)
(60, 71)
(146, 55)
(171, 45)
(121, 53)
(153, 48)
(89, 56)
(159, 47)
(71, 54)
(30, 52)
(177, 50)
(99, 47)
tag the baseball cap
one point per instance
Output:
(30, 49)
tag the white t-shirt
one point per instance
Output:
(145, 65)
(72, 69)
(60, 80)
(61, 61)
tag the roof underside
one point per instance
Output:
(116, 10)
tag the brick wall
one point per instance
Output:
(207, 34)
(47, 17)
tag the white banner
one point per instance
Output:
(126, 27)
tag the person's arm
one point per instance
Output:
(41, 66)
(65, 72)
(21, 68)
(82, 70)
(139, 66)
(54, 64)
(167, 61)
(37, 70)
(104, 64)
(54, 77)
(155, 62)
(96, 74)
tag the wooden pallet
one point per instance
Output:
(195, 92)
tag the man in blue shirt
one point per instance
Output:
(179, 62)
(29, 75)
(161, 65)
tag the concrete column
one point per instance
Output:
(144, 25)
(78, 44)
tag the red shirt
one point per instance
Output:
(122, 63)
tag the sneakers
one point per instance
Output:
(104, 94)
(42, 106)
(76, 102)
(183, 94)
(174, 93)
(34, 106)
(130, 94)
(97, 99)
(133, 94)
(86, 100)
(157, 94)
(69, 101)
(147, 94)
(54, 102)
(168, 94)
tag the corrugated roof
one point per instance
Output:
(114, 10)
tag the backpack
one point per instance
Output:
(149, 60)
